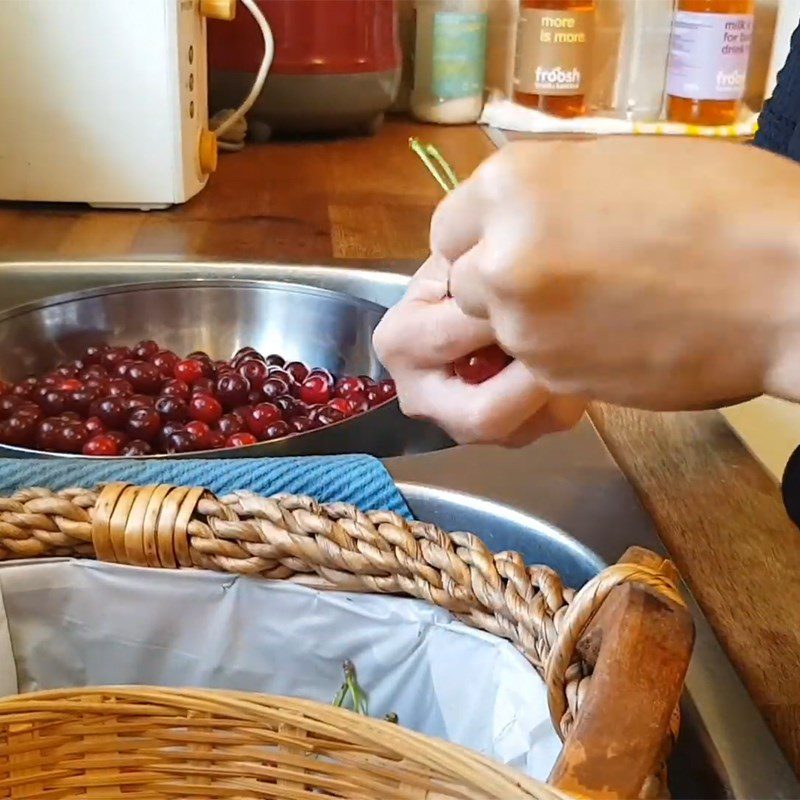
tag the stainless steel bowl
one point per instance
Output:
(321, 327)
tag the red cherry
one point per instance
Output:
(119, 388)
(348, 385)
(205, 408)
(137, 448)
(165, 362)
(373, 397)
(176, 388)
(341, 404)
(297, 370)
(94, 426)
(277, 430)
(189, 371)
(101, 445)
(28, 410)
(145, 350)
(315, 389)
(201, 434)
(144, 424)
(261, 417)
(119, 437)
(481, 365)
(274, 360)
(216, 441)
(172, 409)
(70, 416)
(25, 389)
(18, 431)
(92, 372)
(70, 385)
(80, 400)
(114, 356)
(241, 440)
(232, 390)
(166, 431)
(387, 389)
(5, 388)
(358, 402)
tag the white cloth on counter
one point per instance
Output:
(69, 623)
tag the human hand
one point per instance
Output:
(655, 273)
(419, 339)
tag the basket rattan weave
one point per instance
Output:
(153, 743)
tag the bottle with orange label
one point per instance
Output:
(709, 54)
(552, 64)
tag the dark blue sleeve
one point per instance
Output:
(779, 122)
(790, 487)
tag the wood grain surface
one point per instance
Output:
(717, 510)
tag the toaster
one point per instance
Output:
(105, 101)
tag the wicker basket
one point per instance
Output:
(614, 656)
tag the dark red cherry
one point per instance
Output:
(386, 389)
(5, 388)
(274, 387)
(119, 388)
(329, 416)
(54, 403)
(139, 401)
(112, 411)
(172, 409)
(70, 438)
(302, 424)
(297, 370)
(71, 416)
(166, 431)
(205, 407)
(137, 448)
(18, 431)
(229, 424)
(204, 386)
(144, 424)
(144, 378)
(274, 360)
(25, 389)
(145, 350)
(180, 442)
(8, 403)
(94, 426)
(255, 372)
(94, 354)
(101, 445)
(232, 390)
(119, 437)
(277, 430)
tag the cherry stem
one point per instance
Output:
(434, 161)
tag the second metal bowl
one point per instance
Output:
(320, 327)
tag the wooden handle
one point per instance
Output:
(639, 644)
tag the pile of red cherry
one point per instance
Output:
(142, 400)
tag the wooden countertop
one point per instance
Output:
(716, 508)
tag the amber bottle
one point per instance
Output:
(553, 55)
(709, 53)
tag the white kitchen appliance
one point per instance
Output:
(105, 101)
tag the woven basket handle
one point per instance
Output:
(639, 643)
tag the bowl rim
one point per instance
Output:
(126, 288)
